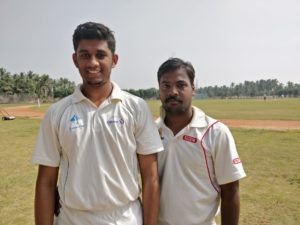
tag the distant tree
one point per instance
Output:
(44, 87)
(6, 82)
(261, 87)
(63, 87)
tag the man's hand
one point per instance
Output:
(57, 205)
(45, 195)
(230, 203)
(150, 188)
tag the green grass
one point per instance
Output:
(269, 195)
(248, 109)
(12, 105)
(16, 172)
(42, 108)
(271, 192)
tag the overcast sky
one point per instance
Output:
(226, 40)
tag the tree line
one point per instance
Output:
(260, 88)
(269, 87)
(42, 86)
(30, 83)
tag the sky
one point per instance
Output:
(227, 41)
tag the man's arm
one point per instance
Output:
(150, 185)
(45, 195)
(230, 203)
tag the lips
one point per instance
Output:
(94, 71)
(172, 99)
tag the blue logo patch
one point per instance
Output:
(76, 122)
(116, 121)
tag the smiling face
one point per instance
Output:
(94, 61)
(176, 92)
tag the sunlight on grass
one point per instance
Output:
(248, 109)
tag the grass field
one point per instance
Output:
(16, 172)
(250, 109)
(269, 195)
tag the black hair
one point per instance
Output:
(91, 31)
(173, 64)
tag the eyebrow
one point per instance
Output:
(178, 81)
(83, 50)
(98, 51)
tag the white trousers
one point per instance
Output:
(130, 214)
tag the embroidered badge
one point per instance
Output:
(236, 161)
(189, 138)
(115, 121)
(76, 122)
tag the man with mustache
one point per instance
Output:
(200, 167)
(98, 139)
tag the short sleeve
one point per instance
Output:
(47, 149)
(227, 163)
(147, 136)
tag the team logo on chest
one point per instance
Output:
(189, 138)
(76, 122)
(115, 121)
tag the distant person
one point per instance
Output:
(97, 139)
(200, 166)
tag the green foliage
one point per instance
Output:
(42, 86)
(270, 87)
(151, 93)
(63, 87)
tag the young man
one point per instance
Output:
(200, 165)
(98, 139)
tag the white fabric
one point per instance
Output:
(96, 148)
(130, 214)
(191, 170)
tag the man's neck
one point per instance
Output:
(177, 123)
(97, 94)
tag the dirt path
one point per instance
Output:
(26, 111)
(264, 124)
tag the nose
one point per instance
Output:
(173, 91)
(93, 61)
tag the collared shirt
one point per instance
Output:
(195, 162)
(96, 148)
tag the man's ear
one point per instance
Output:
(115, 60)
(75, 59)
(194, 91)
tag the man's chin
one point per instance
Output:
(96, 83)
(175, 111)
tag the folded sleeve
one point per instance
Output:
(47, 149)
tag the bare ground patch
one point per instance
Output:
(24, 111)
(264, 124)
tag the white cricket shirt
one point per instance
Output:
(96, 148)
(195, 162)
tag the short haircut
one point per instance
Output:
(94, 31)
(173, 64)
